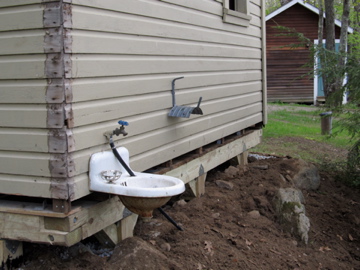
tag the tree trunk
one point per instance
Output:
(342, 52)
(320, 50)
(344, 26)
(329, 84)
(321, 23)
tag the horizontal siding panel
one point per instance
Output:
(155, 10)
(99, 66)
(111, 87)
(41, 187)
(23, 91)
(93, 20)
(91, 135)
(26, 116)
(22, 67)
(22, 42)
(150, 159)
(11, 3)
(207, 6)
(211, 127)
(25, 185)
(25, 140)
(106, 43)
(22, 17)
(21, 163)
(100, 111)
(157, 138)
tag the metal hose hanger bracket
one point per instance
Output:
(182, 111)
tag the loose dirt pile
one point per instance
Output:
(232, 227)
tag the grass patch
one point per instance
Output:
(305, 124)
(299, 121)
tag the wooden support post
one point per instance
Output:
(9, 250)
(108, 237)
(242, 158)
(126, 227)
(197, 186)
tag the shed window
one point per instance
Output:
(236, 12)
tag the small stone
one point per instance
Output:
(283, 179)
(165, 246)
(260, 167)
(231, 171)
(307, 176)
(153, 234)
(224, 184)
(254, 214)
(180, 203)
(216, 215)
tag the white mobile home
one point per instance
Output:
(70, 69)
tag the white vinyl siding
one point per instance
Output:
(117, 61)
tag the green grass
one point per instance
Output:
(298, 121)
(306, 124)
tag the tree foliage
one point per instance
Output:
(337, 65)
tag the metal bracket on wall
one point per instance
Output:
(182, 111)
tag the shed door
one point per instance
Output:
(319, 91)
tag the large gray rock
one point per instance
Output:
(307, 176)
(289, 207)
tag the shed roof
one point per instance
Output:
(306, 5)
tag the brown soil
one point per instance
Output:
(231, 229)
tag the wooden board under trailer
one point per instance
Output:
(108, 219)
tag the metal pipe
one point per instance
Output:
(119, 158)
(173, 90)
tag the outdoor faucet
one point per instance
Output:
(117, 131)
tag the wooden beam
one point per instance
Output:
(90, 218)
(33, 209)
(219, 155)
(31, 229)
(62, 206)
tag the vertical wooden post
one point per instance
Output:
(242, 158)
(9, 250)
(126, 227)
(198, 185)
(108, 237)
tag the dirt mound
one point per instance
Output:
(234, 228)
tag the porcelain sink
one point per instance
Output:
(141, 193)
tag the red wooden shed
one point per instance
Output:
(287, 79)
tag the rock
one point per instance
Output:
(79, 248)
(215, 215)
(289, 207)
(180, 203)
(165, 246)
(224, 184)
(307, 177)
(243, 169)
(254, 214)
(137, 254)
(260, 167)
(231, 171)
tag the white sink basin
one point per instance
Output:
(141, 193)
